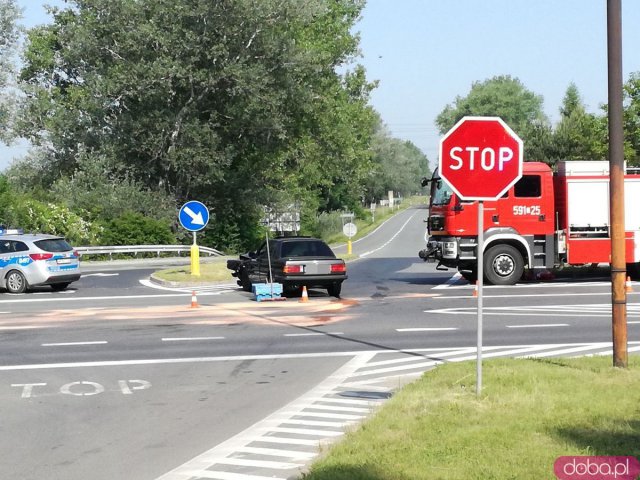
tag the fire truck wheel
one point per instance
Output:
(633, 269)
(503, 265)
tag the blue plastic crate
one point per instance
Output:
(263, 291)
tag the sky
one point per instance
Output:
(424, 53)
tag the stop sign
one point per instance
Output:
(480, 158)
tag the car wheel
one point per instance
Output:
(503, 265)
(15, 282)
(58, 287)
(334, 289)
(245, 282)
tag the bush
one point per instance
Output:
(133, 228)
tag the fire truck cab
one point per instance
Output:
(544, 220)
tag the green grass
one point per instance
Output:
(210, 271)
(531, 412)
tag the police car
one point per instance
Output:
(30, 260)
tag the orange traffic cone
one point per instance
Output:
(475, 289)
(194, 300)
(627, 285)
(305, 295)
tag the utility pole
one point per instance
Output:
(616, 185)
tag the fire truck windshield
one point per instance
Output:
(440, 192)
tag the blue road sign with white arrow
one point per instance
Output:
(194, 216)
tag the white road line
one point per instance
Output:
(337, 416)
(427, 329)
(190, 339)
(313, 423)
(312, 334)
(540, 325)
(634, 323)
(559, 352)
(226, 476)
(307, 431)
(73, 344)
(274, 452)
(244, 462)
(20, 327)
(536, 295)
(335, 408)
(287, 440)
(123, 297)
(414, 358)
(390, 240)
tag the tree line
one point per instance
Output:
(135, 106)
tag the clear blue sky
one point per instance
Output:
(426, 52)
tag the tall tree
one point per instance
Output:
(506, 97)
(227, 101)
(576, 136)
(9, 14)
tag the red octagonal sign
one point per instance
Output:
(480, 158)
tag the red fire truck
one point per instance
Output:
(545, 220)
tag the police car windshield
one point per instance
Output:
(53, 245)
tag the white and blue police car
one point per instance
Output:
(31, 260)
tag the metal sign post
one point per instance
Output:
(480, 269)
(480, 158)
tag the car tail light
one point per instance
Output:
(41, 256)
(338, 268)
(292, 268)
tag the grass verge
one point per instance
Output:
(531, 412)
(214, 270)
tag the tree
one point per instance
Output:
(225, 101)
(577, 134)
(506, 97)
(9, 31)
(398, 165)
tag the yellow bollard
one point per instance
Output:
(195, 260)
(349, 247)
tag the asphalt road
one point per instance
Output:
(117, 378)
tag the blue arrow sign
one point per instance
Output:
(193, 216)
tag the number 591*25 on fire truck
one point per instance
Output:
(545, 220)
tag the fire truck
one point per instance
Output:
(544, 221)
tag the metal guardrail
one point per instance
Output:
(136, 249)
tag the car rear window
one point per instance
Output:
(306, 249)
(53, 245)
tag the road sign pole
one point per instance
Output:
(480, 269)
(195, 257)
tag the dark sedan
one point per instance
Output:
(294, 262)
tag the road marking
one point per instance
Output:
(114, 297)
(427, 329)
(20, 327)
(634, 323)
(190, 339)
(73, 344)
(274, 452)
(390, 240)
(582, 310)
(227, 476)
(515, 295)
(312, 334)
(245, 462)
(540, 325)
